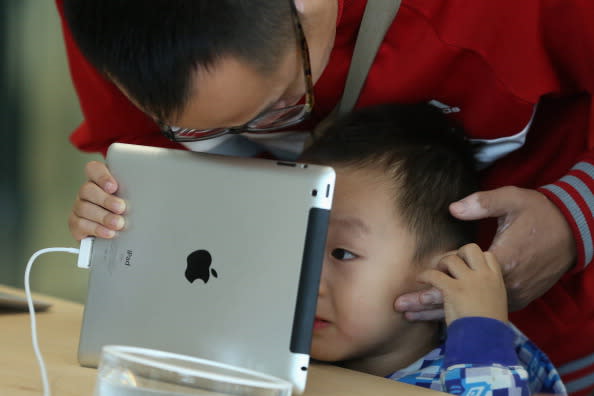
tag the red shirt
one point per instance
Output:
(490, 63)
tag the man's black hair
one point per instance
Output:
(426, 156)
(152, 48)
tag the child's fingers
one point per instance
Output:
(435, 278)
(98, 173)
(493, 263)
(473, 256)
(453, 265)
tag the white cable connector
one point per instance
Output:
(84, 255)
(83, 262)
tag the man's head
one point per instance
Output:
(202, 64)
(398, 168)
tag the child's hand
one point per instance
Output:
(471, 283)
(96, 211)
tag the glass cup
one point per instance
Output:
(132, 371)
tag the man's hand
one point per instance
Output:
(533, 244)
(471, 283)
(96, 211)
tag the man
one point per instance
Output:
(516, 75)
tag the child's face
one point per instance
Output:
(368, 262)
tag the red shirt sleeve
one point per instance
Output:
(108, 115)
(569, 35)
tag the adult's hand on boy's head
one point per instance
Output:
(533, 243)
(96, 211)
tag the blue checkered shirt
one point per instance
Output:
(484, 357)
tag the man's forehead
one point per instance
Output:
(230, 93)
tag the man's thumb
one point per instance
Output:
(484, 204)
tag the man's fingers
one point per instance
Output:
(419, 301)
(97, 214)
(98, 173)
(93, 193)
(82, 228)
(485, 204)
(433, 314)
(432, 298)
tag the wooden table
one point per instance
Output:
(58, 331)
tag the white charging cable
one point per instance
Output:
(83, 262)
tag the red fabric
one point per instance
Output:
(494, 60)
(108, 115)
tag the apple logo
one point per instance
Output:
(199, 266)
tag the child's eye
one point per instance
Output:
(342, 254)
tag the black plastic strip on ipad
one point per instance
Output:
(309, 280)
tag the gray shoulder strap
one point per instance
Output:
(377, 18)
(376, 21)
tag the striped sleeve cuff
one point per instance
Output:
(574, 195)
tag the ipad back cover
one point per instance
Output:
(221, 259)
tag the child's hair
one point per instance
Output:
(427, 157)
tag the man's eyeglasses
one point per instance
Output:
(268, 121)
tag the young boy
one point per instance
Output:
(398, 168)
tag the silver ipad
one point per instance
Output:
(220, 258)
